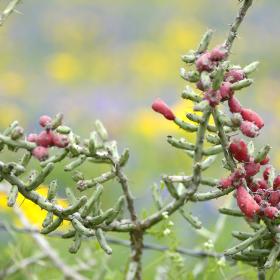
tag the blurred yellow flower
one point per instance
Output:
(154, 62)
(149, 62)
(12, 83)
(64, 67)
(181, 36)
(9, 113)
(33, 212)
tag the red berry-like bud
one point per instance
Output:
(239, 150)
(276, 183)
(261, 193)
(267, 172)
(251, 116)
(271, 212)
(32, 137)
(252, 168)
(60, 141)
(249, 129)
(160, 107)
(234, 105)
(41, 153)
(44, 139)
(257, 198)
(225, 91)
(257, 185)
(262, 184)
(45, 120)
(218, 53)
(265, 161)
(238, 174)
(225, 183)
(204, 63)
(234, 75)
(213, 97)
(274, 198)
(246, 202)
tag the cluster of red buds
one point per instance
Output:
(219, 80)
(255, 195)
(47, 138)
(225, 81)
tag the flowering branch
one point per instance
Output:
(218, 82)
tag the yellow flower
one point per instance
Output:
(154, 62)
(32, 211)
(9, 113)
(64, 67)
(150, 62)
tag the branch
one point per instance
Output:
(11, 7)
(112, 240)
(235, 25)
(127, 193)
(223, 139)
(21, 265)
(183, 251)
(169, 209)
(198, 152)
(48, 250)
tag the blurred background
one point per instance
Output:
(109, 60)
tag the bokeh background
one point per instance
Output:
(109, 60)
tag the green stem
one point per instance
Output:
(198, 152)
(223, 139)
(235, 25)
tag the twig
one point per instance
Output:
(183, 251)
(21, 265)
(148, 246)
(235, 25)
(223, 139)
(198, 153)
(11, 7)
(136, 235)
(127, 193)
(48, 250)
(169, 209)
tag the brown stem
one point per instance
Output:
(136, 235)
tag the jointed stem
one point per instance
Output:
(8, 10)
(198, 152)
(136, 235)
(223, 139)
(235, 25)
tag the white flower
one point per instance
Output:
(166, 232)
(165, 215)
(170, 223)
(222, 262)
(209, 244)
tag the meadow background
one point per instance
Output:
(109, 60)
